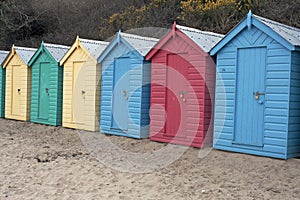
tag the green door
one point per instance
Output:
(44, 90)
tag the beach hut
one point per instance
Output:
(81, 85)
(46, 88)
(257, 91)
(18, 83)
(182, 92)
(3, 55)
(125, 99)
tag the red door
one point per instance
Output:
(176, 96)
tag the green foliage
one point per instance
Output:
(158, 13)
(27, 22)
(216, 15)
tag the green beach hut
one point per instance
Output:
(47, 84)
(3, 55)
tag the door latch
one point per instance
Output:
(257, 94)
(181, 95)
(125, 93)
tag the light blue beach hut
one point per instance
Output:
(257, 102)
(125, 99)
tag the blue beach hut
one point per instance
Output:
(257, 102)
(125, 99)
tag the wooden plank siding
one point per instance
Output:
(107, 86)
(2, 91)
(138, 105)
(55, 90)
(25, 89)
(91, 76)
(201, 80)
(294, 108)
(276, 99)
(145, 106)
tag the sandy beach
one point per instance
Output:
(44, 162)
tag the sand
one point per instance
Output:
(44, 162)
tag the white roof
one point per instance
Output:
(57, 51)
(289, 33)
(3, 55)
(95, 47)
(25, 53)
(142, 44)
(204, 39)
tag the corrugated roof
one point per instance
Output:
(204, 39)
(25, 53)
(291, 34)
(57, 51)
(142, 44)
(3, 55)
(95, 47)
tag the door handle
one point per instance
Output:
(82, 92)
(125, 93)
(181, 94)
(19, 90)
(257, 94)
(47, 91)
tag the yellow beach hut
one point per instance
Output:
(18, 83)
(81, 85)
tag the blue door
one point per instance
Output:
(44, 90)
(250, 96)
(120, 94)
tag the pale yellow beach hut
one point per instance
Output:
(81, 85)
(18, 83)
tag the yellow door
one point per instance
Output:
(16, 90)
(79, 93)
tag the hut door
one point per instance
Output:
(44, 91)
(16, 89)
(249, 110)
(176, 97)
(79, 93)
(120, 94)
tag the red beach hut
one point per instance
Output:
(182, 87)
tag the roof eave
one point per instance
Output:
(297, 48)
(171, 34)
(134, 50)
(232, 33)
(4, 59)
(108, 49)
(273, 34)
(245, 23)
(159, 44)
(118, 40)
(69, 53)
(73, 48)
(192, 43)
(36, 55)
(9, 57)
